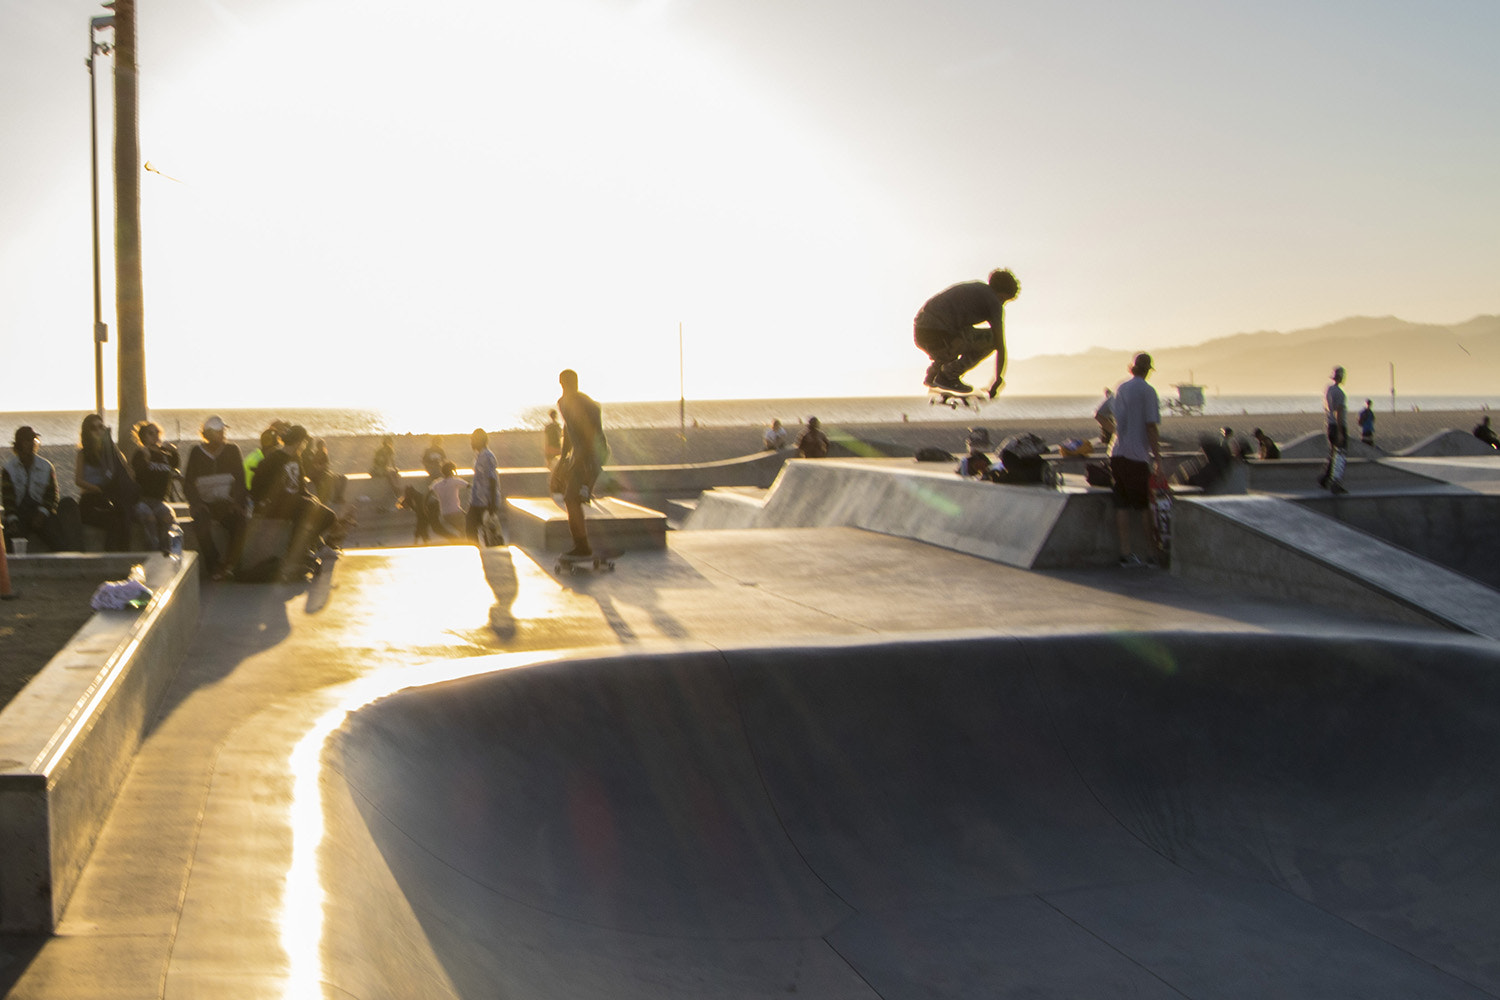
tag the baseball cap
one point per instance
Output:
(214, 423)
(25, 433)
(1141, 363)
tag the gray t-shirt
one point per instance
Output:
(1335, 404)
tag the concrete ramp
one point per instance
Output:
(1281, 549)
(1032, 527)
(1149, 815)
(1447, 444)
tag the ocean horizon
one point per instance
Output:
(57, 426)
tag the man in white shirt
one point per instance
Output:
(1133, 452)
(1336, 409)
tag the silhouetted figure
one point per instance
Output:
(584, 450)
(1486, 433)
(552, 440)
(946, 328)
(33, 505)
(1367, 424)
(1268, 448)
(812, 442)
(154, 464)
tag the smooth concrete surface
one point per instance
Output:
(1478, 474)
(68, 737)
(208, 877)
(1456, 528)
(1275, 547)
(613, 525)
(1145, 814)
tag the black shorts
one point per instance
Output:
(1132, 482)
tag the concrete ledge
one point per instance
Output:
(1276, 548)
(68, 739)
(613, 526)
(1032, 527)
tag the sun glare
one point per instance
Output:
(453, 205)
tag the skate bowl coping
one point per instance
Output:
(1143, 813)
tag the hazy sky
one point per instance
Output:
(444, 203)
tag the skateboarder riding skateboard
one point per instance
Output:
(584, 450)
(945, 328)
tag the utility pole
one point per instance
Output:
(130, 351)
(101, 330)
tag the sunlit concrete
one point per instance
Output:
(215, 877)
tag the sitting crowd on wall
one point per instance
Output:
(286, 479)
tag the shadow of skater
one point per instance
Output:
(500, 574)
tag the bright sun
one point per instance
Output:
(428, 209)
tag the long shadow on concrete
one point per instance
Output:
(1145, 814)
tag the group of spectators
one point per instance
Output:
(286, 478)
(438, 501)
(812, 442)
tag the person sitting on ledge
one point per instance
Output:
(812, 442)
(1268, 448)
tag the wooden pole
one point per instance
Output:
(130, 351)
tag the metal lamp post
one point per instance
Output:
(101, 329)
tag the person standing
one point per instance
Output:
(945, 328)
(584, 450)
(1367, 424)
(551, 440)
(484, 495)
(1133, 453)
(1336, 411)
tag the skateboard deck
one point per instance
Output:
(953, 400)
(598, 562)
(1160, 499)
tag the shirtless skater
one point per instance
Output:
(945, 328)
(584, 450)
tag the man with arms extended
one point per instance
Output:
(945, 327)
(1336, 409)
(584, 450)
(1136, 448)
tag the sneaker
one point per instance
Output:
(1337, 488)
(1132, 561)
(943, 380)
(932, 373)
(579, 553)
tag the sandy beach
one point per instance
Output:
(666, 446)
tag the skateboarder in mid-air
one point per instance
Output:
(946, 329)
(584, 450)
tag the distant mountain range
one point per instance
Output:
(1461, 359)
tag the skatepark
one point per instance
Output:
(872, 731)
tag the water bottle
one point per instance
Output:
(174, 542)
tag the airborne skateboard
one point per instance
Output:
(974, 399)
(953, 400)
(597, 562)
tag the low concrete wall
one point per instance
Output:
(68, 738)
(1277, 548)
(1033, 527)
(1454, 528)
